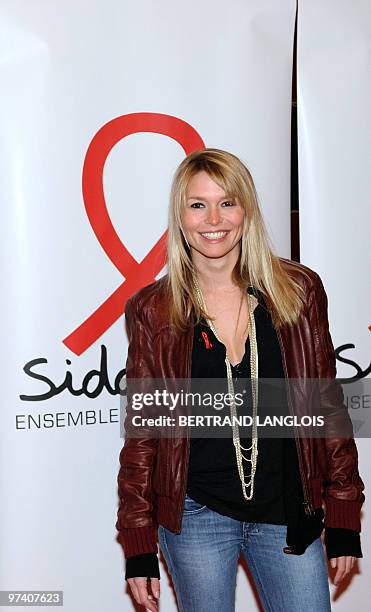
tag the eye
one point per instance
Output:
(196, 205)
(228, 203)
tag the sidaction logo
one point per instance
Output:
(136, 275)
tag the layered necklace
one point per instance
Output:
(247, 484)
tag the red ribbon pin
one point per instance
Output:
(208, 344)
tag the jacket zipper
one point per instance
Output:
(308, 506)
(185, 475)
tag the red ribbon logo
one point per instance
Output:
(208, 344)
(136, 274)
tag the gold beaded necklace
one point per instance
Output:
(254, 387)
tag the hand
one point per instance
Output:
(343, 565)
(140, 593)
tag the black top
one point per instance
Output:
(213, 477)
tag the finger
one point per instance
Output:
(145, 598)
(151, 603)
(134, 588)
(338, 577)
(349, 564)
(340, 570)
(155, 586)
(348, 561)
(333, 562)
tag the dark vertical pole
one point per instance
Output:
(294, 180)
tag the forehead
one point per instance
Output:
(201, 184)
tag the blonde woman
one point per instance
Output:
(230, 308)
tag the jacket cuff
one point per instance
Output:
(142, 565)
(138, 540)
(342, 542)
(343, 513)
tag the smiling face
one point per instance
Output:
(212, 220)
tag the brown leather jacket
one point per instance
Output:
(153, 472)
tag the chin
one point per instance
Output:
(214, 252)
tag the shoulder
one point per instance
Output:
(150, 302)
(308, 278)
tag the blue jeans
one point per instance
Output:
(203, 559)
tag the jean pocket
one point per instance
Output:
(192, 506)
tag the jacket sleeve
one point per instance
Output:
(343, 488)
(136, 521)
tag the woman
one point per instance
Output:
(229, 308)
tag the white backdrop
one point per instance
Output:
(73, 74)
(334, 98)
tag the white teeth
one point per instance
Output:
(213, 234)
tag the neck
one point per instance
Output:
(216, 273)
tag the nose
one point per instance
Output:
(213, 216)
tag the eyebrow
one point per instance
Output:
(201, 198)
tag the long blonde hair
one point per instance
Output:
(257, 265)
